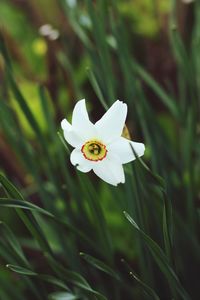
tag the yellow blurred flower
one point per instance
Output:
(39, 46)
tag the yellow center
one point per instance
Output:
(94, 150)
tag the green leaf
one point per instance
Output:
(100, 265)
(44, 277)
(10, 188)
(21, 270)
(75, 279)
(63, 296)
(168, 101)
(24, 205)
(8, 235)
(53, 281)
(146, 289)
(27, 217)
(160, 259)
(149, 291)
(63, 142)
(4, 51)
(14, 203)
(168, 228)
(80, 282)
(96, 88)
(158, 180)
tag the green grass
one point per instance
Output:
(68, 235)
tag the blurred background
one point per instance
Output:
(145, 53)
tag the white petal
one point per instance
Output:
(111, 125)
(110, 171)
(81, 123)
(85, 168)
(65, 125)
(73, 139)
(121, 147)
(70, 135)
(77, 159)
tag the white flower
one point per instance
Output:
(100, 146)
(45, 29)
(48, 31)
(187, 1)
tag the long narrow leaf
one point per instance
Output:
(160, 259)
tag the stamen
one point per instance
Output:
(94, 150)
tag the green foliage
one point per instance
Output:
(145, 16)
(63, 234)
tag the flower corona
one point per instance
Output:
(94, 150)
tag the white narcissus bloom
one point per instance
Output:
(100, 146)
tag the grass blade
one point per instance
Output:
(160, 259)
